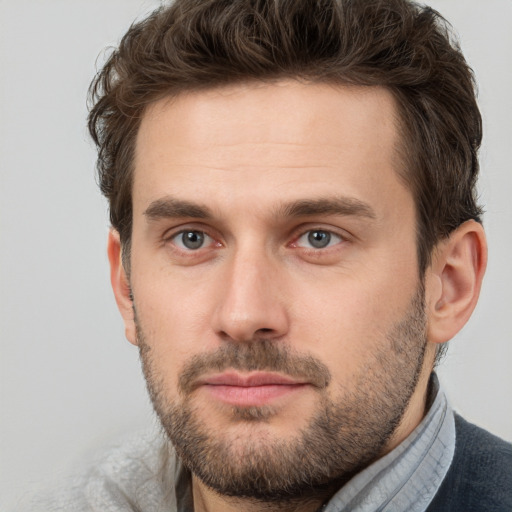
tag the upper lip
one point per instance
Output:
(249, 380)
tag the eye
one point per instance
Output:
(191, 240)
(318, 239)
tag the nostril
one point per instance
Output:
(264, 330)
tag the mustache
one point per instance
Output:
(255, 355)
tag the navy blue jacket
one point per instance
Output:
(480, 476)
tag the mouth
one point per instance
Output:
(250, 390)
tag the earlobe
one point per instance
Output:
(121, 285)
(454, 281)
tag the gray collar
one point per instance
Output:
(407, 478)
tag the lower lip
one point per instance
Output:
(252, 396)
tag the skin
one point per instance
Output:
(245, 154)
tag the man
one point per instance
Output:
(295, 237)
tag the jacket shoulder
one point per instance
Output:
(480, 476)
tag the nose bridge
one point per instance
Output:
(251, 302)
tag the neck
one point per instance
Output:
(417, 407)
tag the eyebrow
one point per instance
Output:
(170, 207)
(345, 206)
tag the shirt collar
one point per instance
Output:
(407, 478)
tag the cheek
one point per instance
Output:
(347, 321)
(171, 302)
(173, 317)
(341, 332)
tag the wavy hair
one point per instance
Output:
(397, 44)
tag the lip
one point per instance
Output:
(250, 380)
(250, 390)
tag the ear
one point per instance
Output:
(454, 280)
(121, 285)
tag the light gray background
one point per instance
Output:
(69, 380)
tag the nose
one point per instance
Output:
(252, 299)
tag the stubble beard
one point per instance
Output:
(344, 435)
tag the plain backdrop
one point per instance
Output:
(69, 380)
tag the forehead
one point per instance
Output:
(271, 139)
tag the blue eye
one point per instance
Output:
(318, 239)
(191, 240)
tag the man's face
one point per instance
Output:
(277, 302)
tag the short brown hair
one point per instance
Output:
(397, 44)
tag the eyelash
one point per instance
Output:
(338, 238)
(174, 236)
(311, 232)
